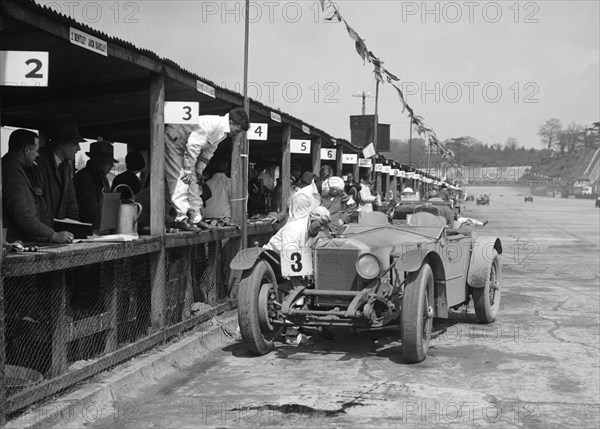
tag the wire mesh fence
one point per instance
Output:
(59, 320)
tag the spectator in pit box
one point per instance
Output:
(134, 161)
(22, 201)
(366, 198)
(219, 204)
(54, 173)
(188, 149)
(91, 181)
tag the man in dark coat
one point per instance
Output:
(135, 163)
(91, 181)
(22, 201)
(54, 173)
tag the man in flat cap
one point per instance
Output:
(54, 172)
(91, 181)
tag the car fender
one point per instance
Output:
(481, 259)
(246, 258)
(410, 260)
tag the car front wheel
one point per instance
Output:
(257, 298)
(417, 314)
(487, 299)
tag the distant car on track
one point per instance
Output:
(483, 200)
(529, 198)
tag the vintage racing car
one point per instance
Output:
(483, 200)
(529, 198)
(373, 274)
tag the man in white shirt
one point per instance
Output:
(306, 198)
(219, 204)
(188, 149)
(366, 198)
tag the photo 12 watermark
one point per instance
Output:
(91, 12)
(289, 92)
(451, 12)
(290, 12)
(472, 92)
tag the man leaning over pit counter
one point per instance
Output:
(22, 201)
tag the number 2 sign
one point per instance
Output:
(257, 131)
(181, 112)
(24, 68)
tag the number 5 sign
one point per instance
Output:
(23, 68)
(257, 131)
(181, 112)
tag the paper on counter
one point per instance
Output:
(108, 238)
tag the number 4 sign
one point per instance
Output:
(181, 112)
(24, 68)
(257, 131)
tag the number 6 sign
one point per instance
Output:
(24, 68)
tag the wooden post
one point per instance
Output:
(339, 165)
(387, 186)
(157, 199)
(356, 172)
(157, 156)
(238, 202)
(2, 339)
(286, 166)
(58, 312)
(315, 149)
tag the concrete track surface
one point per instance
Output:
(536, 366)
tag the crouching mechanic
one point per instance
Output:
(188, 149)
(301, 232)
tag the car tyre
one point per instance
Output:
(255, 288)
(417, 314)
(487, 299)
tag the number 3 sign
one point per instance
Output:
(181, 112)
(24, 68)
(296, 262)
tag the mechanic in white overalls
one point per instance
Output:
(188, 149)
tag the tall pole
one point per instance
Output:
(374, 174)
(245, 146)
(410, 142)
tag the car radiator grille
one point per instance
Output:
(335, 270)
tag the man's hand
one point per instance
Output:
(187, 177)
(62, 237)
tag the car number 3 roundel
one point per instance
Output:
(296, 262)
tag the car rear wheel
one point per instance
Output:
(417, 314)
(257, 297)
(487, 299)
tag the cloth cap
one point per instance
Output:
(102, 150)
(334, 182)
(65, 132)
(135, 161)
(321, 214)
(407, 191)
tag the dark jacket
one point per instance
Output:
(90, 184)
(21, 204)
(128, 178)
(56, 183)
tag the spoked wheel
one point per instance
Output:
(257, 308)
(417, 314)
(487, 299)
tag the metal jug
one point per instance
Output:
(129, 212)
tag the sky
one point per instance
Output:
(489, 70)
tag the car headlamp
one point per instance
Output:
(368, 266)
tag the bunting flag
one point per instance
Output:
(382, 75)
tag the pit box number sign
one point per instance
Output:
(258, 131)
(23, 68)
